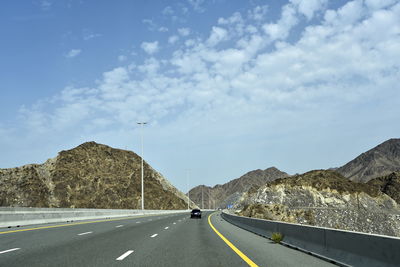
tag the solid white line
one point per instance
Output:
(8, 250)
(154, 235)
(123, 256)
(119, 226)
(85, 233)
(166, 228)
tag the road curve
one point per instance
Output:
(157, 240)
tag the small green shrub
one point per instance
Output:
(277, 237)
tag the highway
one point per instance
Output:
(151, 240)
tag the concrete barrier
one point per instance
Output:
(13, 216)
(343, 247)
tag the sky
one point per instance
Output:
(225, 86)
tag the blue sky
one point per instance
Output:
(226, 86)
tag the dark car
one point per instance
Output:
(196, 213)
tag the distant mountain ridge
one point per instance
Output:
(222, 195)
(89, 176)
(378, 161)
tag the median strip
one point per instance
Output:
(241, 254)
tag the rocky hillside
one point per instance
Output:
(379, 161)
(389, 184)
(223, 195)
(89, 176)
(326, 198)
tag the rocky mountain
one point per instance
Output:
(389, 184)
(89, 176)
(379, 161)
(228, 193)
(325, 198)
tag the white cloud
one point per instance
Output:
(151, 25)
(234, 19)
(173, 39)
(217, 35)
(309, 7)
(289, 17)
(89, 36)
(235, 24)
(73, 53)
(322, 67)
(197, 5)
(190, 42)
(150, 66)
(45, 4)
(350, 13)
(378, 4)
(184, 10)
(122, 58)
(251, 29)
(168, 11)
(163, 29)
(150, 47)
(184, 31)
(250, 90)
(258, 13)
(281, 29)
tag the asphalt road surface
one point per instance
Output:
(156, 240)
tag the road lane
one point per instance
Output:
(190, 242)
(166, 240)
(63, 247)
(263, 251)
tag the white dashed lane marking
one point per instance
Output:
(154, 235)
(166, 228)
(137, 222)
(8, 250)
(174, 223)
(123, 256)
(86, 233)
(119, 226)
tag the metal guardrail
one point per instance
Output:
(345, 248)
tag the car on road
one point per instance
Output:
(195, 213)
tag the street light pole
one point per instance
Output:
(188, 194)
(209, 199)
(202, 200)
(141, 132)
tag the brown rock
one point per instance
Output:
(89, 176)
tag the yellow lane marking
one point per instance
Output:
(244, 257)
(72, 224)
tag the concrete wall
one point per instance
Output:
(12, 216)
(345, 247)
